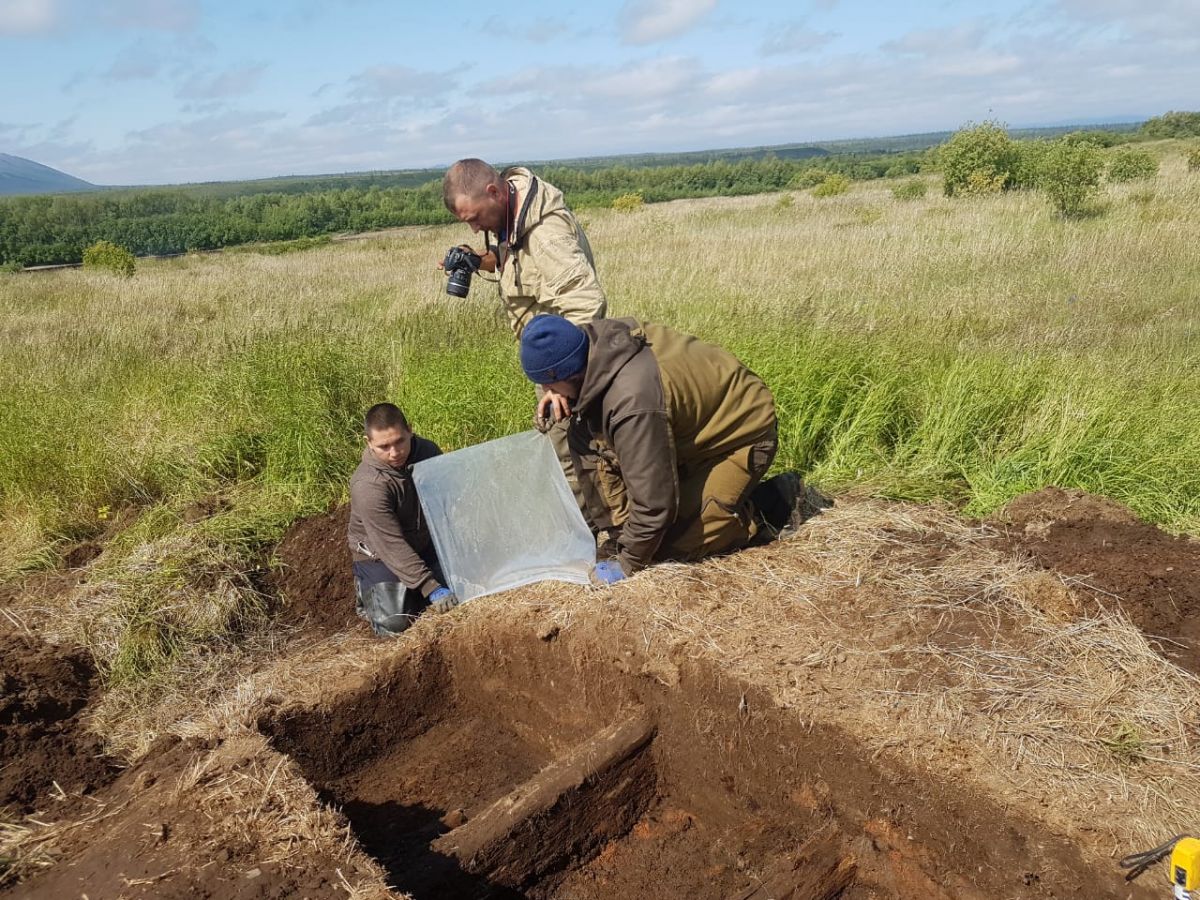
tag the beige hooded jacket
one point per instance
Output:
(546, 264)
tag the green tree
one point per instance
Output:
(1131, 165)
(809, 177)
(979, 159)
(832, 186)
(1069, 174)
(913, 189)
(1173, 125)
(631, 202)
(1029, 161)
(109, 257)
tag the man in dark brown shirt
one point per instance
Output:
(396, 569)
(670, 435)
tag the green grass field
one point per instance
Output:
(965, 349)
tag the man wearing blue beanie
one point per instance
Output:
(669, 435)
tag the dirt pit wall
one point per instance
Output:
(530, 767)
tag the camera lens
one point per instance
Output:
(459, 282)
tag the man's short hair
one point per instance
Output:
(468, 177)
(383, 416)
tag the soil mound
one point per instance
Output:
(1154, 576)
(314, 579)
(43, 693)
(1034, 510)
(160, 831)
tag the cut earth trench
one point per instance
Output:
(597, 781)
(524, 768)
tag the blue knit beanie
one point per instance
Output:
(553, 349)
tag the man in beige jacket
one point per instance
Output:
(541, 255)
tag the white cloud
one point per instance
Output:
(136, 62)
(536, 79)
(19, 17)
(537, 31)
(795, 38)
(235, 82)
(648, 21)
(381, 82)
(361, 113)
(939, 41)
(737, 82)
(1017, 71)
(547, 30)
(381, 95)
(644, 81)
(154, 15)
(977, 65)
(34, 17)
(1173, 24)
(1140, 15)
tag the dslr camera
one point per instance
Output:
(460, 264)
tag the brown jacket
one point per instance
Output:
(546, 265)
(655, 403)
(386, 518)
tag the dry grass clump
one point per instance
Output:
(259, 803)
(33, 844)
(164, 597)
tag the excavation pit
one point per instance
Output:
(518, 767)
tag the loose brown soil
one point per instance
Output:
(44, 691)
(1115, 558)
(155, 833)
(716, 805)
(313, 578)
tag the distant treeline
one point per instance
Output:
(45, 230)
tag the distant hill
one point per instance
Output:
(904, 143)
(24, 176)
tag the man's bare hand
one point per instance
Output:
(553, 407)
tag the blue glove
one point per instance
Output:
(608, 572)
(443, 600)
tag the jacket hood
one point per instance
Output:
(613, 342)
(538, 200)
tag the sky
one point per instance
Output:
(170, 91)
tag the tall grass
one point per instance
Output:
(961, 349)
